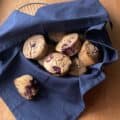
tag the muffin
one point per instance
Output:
(77, 68)
(26, 86)
(57, 63)
(35, 47)
(89, 54)
(69, 45)
(56, 37)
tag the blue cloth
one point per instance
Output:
(61, 98)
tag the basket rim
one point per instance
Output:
(26, 4)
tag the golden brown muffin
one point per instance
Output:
(57, 63)
(89, 54)
(77, 68)
(56, 37)
(26, 86)
(35, 47)
(70, 44)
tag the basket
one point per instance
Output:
(31, 8)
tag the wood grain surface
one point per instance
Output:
(103, 102)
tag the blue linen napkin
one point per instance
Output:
(60, 98)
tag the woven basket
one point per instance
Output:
(31, 8)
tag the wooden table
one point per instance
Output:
(103, 102)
